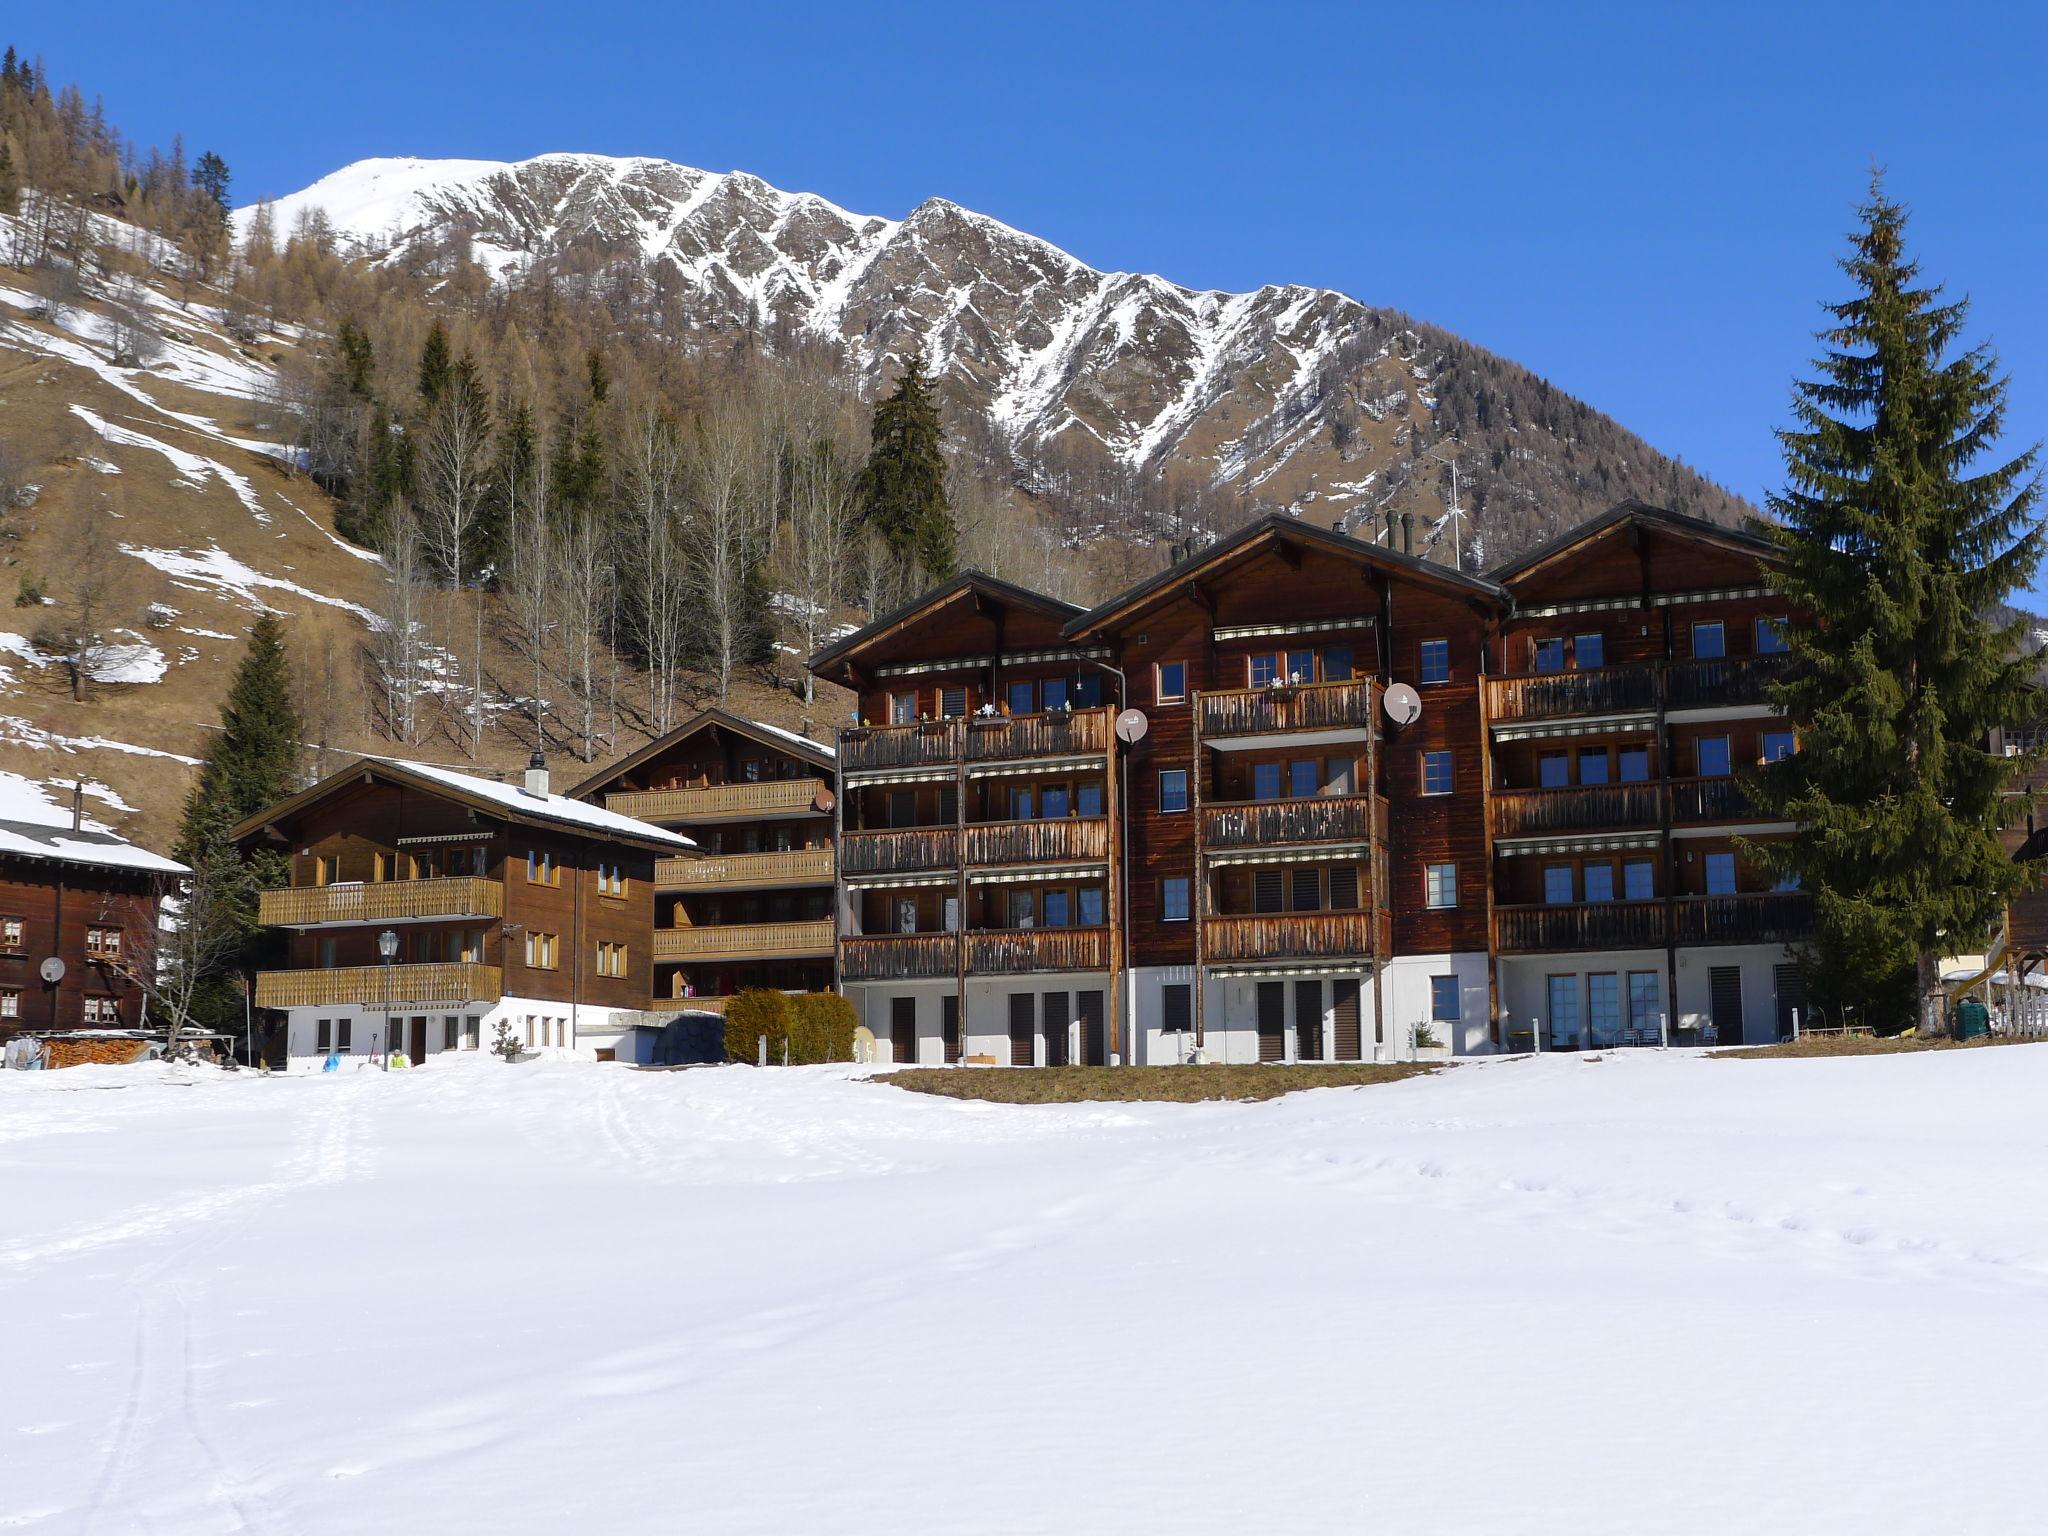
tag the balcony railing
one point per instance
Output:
(1576, 808)
(723, 802)
(384, 901)
(1031, 842)
(1749, 917)
(1021, 951)
(1555, 695)
(1727, 680)
(1258, 823)
(794, 866)
(926, 743)
(1060, 733)
(1590, 925)
(745, 941)
(1694, 800)
(901, 851)
(899, 956)
(372, 986)
(1287, 936)
(1300, 707)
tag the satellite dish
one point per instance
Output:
(1131, 726)
(52, 970)
(1402, 704)
(823, 800)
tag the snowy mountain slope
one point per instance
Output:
(1299, 395)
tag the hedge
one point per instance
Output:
(752, 1014)
(816, 1026)
(823, 1027)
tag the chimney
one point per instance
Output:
(1393, 541)
(1407, 533)
(77, 804)
(537, 776)
(807, 727)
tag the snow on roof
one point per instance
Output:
(775, 730)
(551, 807)
(40, 840)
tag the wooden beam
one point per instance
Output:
(1289, 552)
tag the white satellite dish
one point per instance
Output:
(1402, 704)
(1131, 726)
(52, 970)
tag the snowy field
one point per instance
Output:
(1650, 1294)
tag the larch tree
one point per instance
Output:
(1902, 532)
(453, 464)
(903, 486)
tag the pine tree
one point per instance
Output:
(903, 486)
(437, 366)
(10, 183)
(1902, 551)
(210, 176)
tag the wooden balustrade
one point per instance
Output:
(794, 866)
(1295, 707)
(1576, 808)
(1286, 936)
(899, 851)
(383, 901)
(899, 956)
(1748, 917)
(923, 744)
(1316, 819)
(722, 802)
(1695, 800)
(1724, 680)
(745, 941)
(1022, 951)
(1587, 925)
(1031, 842)
(372, 986)
(1555, 695)
(1058, 733)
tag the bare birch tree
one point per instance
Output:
(85, 602)
(583, 577)
(526, 579)
(454, 466)
(654, 559)
(720, 549)
(813, 545)
(401, 621)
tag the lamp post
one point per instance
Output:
(387, 950)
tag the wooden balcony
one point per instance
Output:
(928, 743)
(372, 986)
(384, 901)
(1727, 681)
(901, 851)
(1024, 951)
(1560, 695)
(1588, 925)
(1263, 823)
(1056, 839)
(746, 871)
(724, 802)
(1748, 917)
(1287, 936)
(899, 956)
(1576, 808)
(1702, 800)
(745, 941)
(1288, 710)
(1060, 733)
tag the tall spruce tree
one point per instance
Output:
(903, 486)
(1901, 546)
(437, 366)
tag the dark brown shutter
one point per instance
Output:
(1094, 1038)
(949, 1025)
(1176, 1006)
(1343, 887)
(1272, 1020)
(1724, 990)
(1346, 1010)
(1308, 1020)
(1269, 891)
(1308, 888)
(1791, 986)
(1023, 1006)
(903, 1029)
(1058, 1016)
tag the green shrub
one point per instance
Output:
(752, 1014)
(822, 1027)
(29, 594)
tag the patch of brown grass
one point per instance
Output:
(1819, 1046)
(1143, 1085)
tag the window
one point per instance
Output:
(1088, 800)
(1304, 779)
(541, 868)
(1176, 1007)
(1054, 802)
(906, 914)
(1173, 789)
(952, 703)
(1642, 1002)
(1023, 909)
(540, 950)
(1336, 663)
(1091, 906)
(1021, 700)
(1599, 882)
(611, 959)
(1265, 781)
(1639, 880)
(1720, 874)
(949, 915)
(451, 1032)
(1436, 773)
(1590, 651)
(1444, 1001)
(1778, 745)
(1169, 682)
(1053, 694)
(1553, 770)
(750, 771)
(1301, 666)
(1440, 886)
(1087, 692)
(903, 708)
(103, 943)
(1635, 765)
(1770, 636)
(1020, 802)
(102, 1010)
(1557, 885)
(1173, 900)
(327, 869)
(1715, 760)
(1433, 665)
(1709, 641)
(11, 931)
(1059, 909)
(330, 953)
(1593, 765)
(1564, 1011)
(1263, 671)
(472, 1031)
(1547, 654)
(1603, 1007)
(611, 879)
(10, 1003)
(1339, 775)
(323, 1036)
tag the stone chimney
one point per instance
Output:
(537, 776)
(807, 728)
(1407, 533)
(77, 804)
(1393, 537)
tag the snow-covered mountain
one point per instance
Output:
(1299, 395)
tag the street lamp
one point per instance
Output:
(387, 949)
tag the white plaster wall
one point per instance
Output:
(1406, 1003)
(985, 1027)
(582, 1028)
(1524, 988)
(1759, 964)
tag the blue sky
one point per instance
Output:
(1640, 205)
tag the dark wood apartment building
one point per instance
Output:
(751, 904)
(426, 905)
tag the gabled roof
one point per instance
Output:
(65, 844)
(1255, 538)
(509, 802)
(937, 597)
(768, 735)
(1682, 524)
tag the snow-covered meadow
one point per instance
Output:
(1647, 1293)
